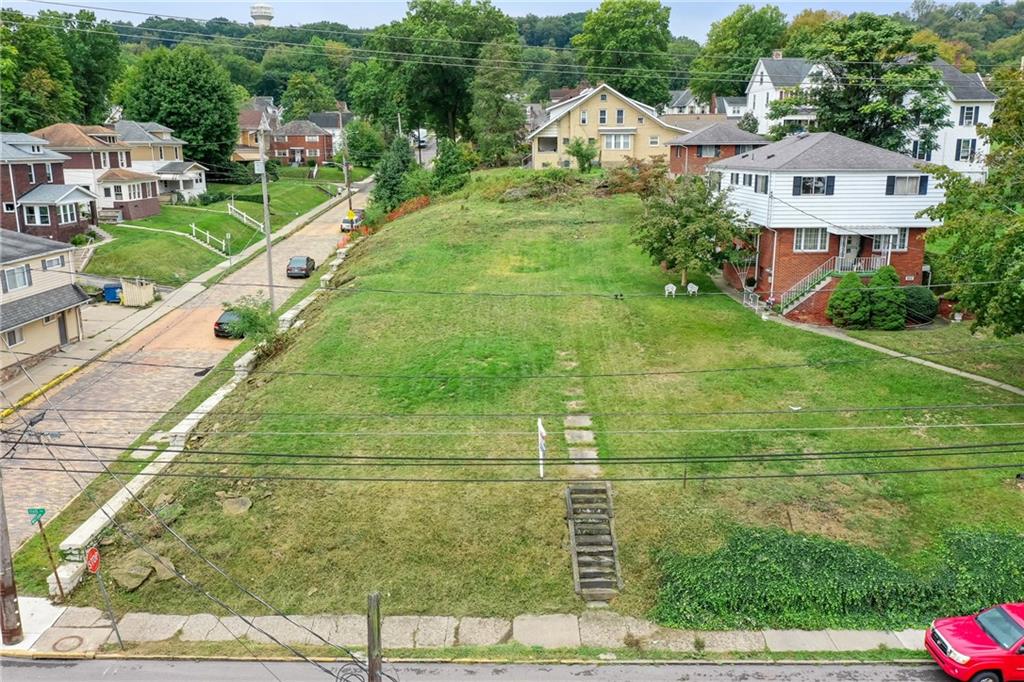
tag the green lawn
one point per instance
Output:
(500, 549)
(325, 174)
(213, 218)
(162, 258)
(288, 200)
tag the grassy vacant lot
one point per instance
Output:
(162, 258)
(441, 376)
(325, 174)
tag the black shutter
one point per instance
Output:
(62, 261)
(28, 273)
(830, 185)
(699, 148)
(718, 150)
(890, 185)
(928, 155)
(977, 112)
(963, 112)
(797, 183)
(922, 186)
(3, 281)
(974, 148)
(44, 265)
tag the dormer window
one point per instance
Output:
(35, 149)
(177, 153)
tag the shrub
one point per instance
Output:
(888, 300)
(408, 207)
(375, 215)
(255, 318)
(451, 169)
(922, 304)
(416, 183)
(583, 151)
(79, 240)
(550, 183)
(848, 306)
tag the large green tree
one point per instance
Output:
(388, 190)
(94, 53)
(365, 143)
(803, 30)
(547, 69)
(625, 44)
(39, 86)
(682, 51)
(984, 221)
(498, 117)
(187, 91)
(304, 95)
(876, 85)
(733, 47)
(377, 92)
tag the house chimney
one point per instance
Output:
(776, 54)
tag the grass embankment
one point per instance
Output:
(501, 549)
(156, 256)
(325, 174)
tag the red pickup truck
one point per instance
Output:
(985, 647)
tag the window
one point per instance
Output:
(639, 120)
(68, 213)
(735, 111)
(14, 337)
(891, 242)
(969, 116)
(810, 239)
(312, 138)
(177, 153)
(134, 192)
(766, 96)
(761, 184)
(966, 148)
(280, 152)
(105, 159)
(604, 97)
(17, 278)
(53, 263)
(748, 180)
(903, 185)
(49, 319)
(565, 140)
(8, 207)
(106, 192)
(734, 178)
(760, 78)
(118, 193)
(36, 149)
(620, 116)
(617, 141)
(654, 141)
(314, 152)
(583, 117)
(37, 215)
(707, 151)
(602, 116)
(715, 180)
(919, 150)
(744, 148)
(121, 159)
(31, 174)
(161, 152)
(49, 172)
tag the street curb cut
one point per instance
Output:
(32, 395)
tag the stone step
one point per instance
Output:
(600, 531)
(598, 584)
(589, 517)
(578, 437)
(597, 574)
(588, 540)
(598, 595)
(593, 560)
(599, 550)
(577, 421)
(588, 488)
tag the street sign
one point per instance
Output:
(258, 167)
(92, 560)
(351, 215)
(36, 514)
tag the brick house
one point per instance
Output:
(296, 142)
(824, 205)
(690, 154)
(99, 161)
(35, 200)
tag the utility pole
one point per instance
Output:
(344, 163)
(399, 123)
(262, 170)
(374, 666)
(10, 616)
(420, 143)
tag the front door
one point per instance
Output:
(62, 329)
(298, 157)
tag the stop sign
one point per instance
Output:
(92, 559)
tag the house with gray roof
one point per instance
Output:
(40, 309)
(776, 78)
(821, 205)
(334, 122)
(689, 154)
(300, 143)
(34, 195)
(155, 149)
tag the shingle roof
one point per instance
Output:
(786, 71)
(733, 101)
(556, 111)
(15, 246)
(56, 194)
(719, 133)
(71, 136)
(679, 98)
(963, 86)
(177, 167)
(818, 152)
(154, 127)
(126, 175)
(300, 127)
(37, 306)
(14, 147)
(250, 119)
(136, 131)
(326, 119)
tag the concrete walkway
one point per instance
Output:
(836, 333)
(80, 630)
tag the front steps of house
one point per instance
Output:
(595, 560)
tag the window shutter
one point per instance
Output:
(28, 274)
(718, 150)
(963, 113)
(974, 148)
(830, 185)
(797, 182)
(977, 111)
(62, 261)
(44, 265)
(890, 185)
(699, 149)
(3, 281)
(922, 187)
(928, 155)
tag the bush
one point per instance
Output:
(451, 169)
(365, 143)
(416, 183)
(849, 306)
(922, 305)
(408, 207)
(583, 151)
(550, 183)
(888, 300)
(255, 318)
(375, 215)
(79, 240)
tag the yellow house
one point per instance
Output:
(618, 125)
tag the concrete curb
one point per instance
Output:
(29, 397)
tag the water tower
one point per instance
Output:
(262, 14)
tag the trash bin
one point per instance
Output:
(112, 293)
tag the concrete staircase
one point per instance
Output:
(595, 556)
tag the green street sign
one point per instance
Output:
(36, 514)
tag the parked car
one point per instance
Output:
(985, 647)
(300, 266)
(222, 327)
(348, 224)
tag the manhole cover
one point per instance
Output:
(69, 643)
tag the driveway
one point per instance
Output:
(183, 336)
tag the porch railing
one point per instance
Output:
(858, 264)
(834, 265)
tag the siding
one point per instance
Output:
(42, 280)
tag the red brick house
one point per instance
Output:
(821, 205)
(296, 142)
(35, 200)
(99, 161)
(691, 153)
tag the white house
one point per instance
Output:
(155, 150)
(778, 78)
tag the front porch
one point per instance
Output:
(184, 178)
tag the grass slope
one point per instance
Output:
(162, 258)
(492, 549)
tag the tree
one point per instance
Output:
(304, 95)
(849, 306)
(625, 43)
(682, 51)
(38, 81)
(733, 47)
(396, 162)
(550, 69)
(888, 300)
(583, 151)
(451, 172)
(498, 117)
(804, 29)
(365, 143)
(983, 221)
(748, 122)
(684, 225)
(377, 92)
(184, 89)
(94, 53)
(956, 52)
(550, 31)
(875, 85)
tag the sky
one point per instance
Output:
(689, 18)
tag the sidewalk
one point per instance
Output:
(83, 630)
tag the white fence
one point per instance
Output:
(201, 235)
(243, 216)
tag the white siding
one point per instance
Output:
(947, 137)
(42, 280)
(88, 178)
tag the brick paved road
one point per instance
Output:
(182, 337)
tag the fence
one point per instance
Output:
(243, 216)
(201, 235)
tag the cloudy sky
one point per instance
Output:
(689, 18)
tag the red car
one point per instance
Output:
(985, 647)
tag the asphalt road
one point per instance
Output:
(13, 670)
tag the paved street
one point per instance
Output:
(225, 671)
(183, 336)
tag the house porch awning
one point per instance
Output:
(49, 195)
(862, 231)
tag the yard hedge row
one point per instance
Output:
(774, 579)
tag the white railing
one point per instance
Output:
(243, 216)
(201, 235)
(859, 264)
(834, 265)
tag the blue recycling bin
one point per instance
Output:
(112, 293)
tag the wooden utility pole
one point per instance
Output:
(344, 162)
(264, 133)
(374, 664)
(10, 616)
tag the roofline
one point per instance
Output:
(586, 96)
(724, 164)
(61, 249)
(72, 188)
